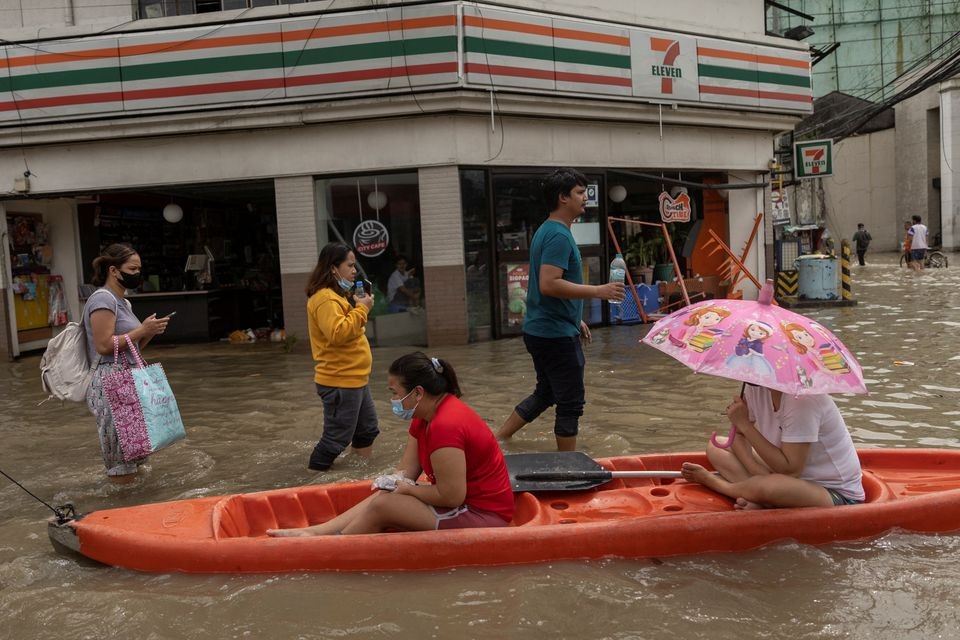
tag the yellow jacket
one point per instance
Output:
(338, 341)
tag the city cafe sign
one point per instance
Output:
(371, 238)
(675, 209)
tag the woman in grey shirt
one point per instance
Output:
(106, 314)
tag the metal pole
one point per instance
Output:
(676, 265)
(633, 289)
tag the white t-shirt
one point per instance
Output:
(919, 233)
(832, 461)
(397, 278)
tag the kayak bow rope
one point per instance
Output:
(64, 512)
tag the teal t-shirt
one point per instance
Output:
(549, 317)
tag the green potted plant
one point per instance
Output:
(641, 255)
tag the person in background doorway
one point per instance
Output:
(467, 484)
(403, 289)
(918, 244)
(553, 325)
(106, 314)
(862, 239)
(337, 323)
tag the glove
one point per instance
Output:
(389, 482)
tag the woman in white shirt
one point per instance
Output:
(790, 451)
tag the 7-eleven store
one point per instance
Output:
(417, 131)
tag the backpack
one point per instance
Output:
(65, 369)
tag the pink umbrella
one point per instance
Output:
(758, 343)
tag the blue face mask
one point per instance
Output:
(399, 411)
(346, 285)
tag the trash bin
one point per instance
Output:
(817, 277)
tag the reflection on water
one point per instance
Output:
(253, 417)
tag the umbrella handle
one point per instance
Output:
(730, 436)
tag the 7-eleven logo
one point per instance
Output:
(666, 70)
(813, 159)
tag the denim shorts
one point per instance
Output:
(917, 255)
(839, 499)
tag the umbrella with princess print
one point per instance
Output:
(758, 343)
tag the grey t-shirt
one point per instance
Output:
(126, 322)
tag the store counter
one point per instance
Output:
(199, 314)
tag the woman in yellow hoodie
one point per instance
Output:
(337, 320)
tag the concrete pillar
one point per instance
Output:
(744, 204)
(950, 164)
(297, 236)
(441, 227)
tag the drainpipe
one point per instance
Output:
(68, 16)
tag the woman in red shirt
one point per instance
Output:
(468, 484)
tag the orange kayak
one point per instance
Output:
(908, 489)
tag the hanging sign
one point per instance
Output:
(813, 159)
(371, 238)
(781, 207)
(675, 209)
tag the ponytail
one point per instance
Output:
(435, 375)
(114, 255)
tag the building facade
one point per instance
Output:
(230, 146)
(879, 40)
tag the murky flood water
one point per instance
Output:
(252, 417)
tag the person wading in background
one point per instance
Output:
(862, 239)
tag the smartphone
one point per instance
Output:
(170, 315)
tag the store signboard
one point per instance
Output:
(813, 159)
(371, 238)
(664, 66)
(675, 209)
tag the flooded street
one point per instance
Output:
(252, 418)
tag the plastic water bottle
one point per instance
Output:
(618, 273)
(358, 289)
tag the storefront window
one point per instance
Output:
(476, 248)
(379, 217)
(217, 264)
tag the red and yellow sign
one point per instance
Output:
(675, 209)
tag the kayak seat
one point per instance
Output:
(572, 507)
(250, 515)
(875, 489)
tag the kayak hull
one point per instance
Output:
(914, 490)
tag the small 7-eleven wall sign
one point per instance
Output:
(813, 159)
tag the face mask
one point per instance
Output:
(130, 280)
(346, 285)
(399, 411)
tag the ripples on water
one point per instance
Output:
(253, 417)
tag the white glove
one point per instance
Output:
(389, 482)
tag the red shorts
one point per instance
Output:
(466, 518)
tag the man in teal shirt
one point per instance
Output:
(553, 326)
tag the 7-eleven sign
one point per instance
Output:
(813, 159)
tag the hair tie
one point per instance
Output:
(436, 365)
